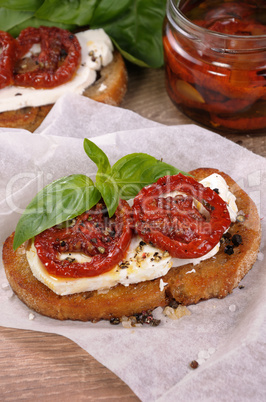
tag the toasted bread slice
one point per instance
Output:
(109, 88)
(215, 277)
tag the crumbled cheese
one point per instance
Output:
(102, 87)
(190, 272)
(102, 291)
(162, 284)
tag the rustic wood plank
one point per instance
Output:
(44, 367)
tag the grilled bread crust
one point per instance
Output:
(215, 277)
(113, 77)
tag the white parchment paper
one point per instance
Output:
(227, 336)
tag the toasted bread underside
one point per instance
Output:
(216, 277)
(110, 88)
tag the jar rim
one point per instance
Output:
(175, 7)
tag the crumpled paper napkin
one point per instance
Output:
(226, 336)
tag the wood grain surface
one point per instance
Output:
(37, 366)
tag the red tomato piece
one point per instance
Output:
(7, 59)
(173, 223)
(92, 233)
(57, 61)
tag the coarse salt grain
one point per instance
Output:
(176, 313)
(232, 307)
(5, 286)
(31, 316)
(126, 324)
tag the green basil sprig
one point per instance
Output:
(59, 201)
(70, 196)
(127, 176)
(135, 26)
(104, 180)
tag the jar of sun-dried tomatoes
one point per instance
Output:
(215, 62)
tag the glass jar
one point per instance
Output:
(217, 79)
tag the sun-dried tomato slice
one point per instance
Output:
(166, 216)
(59, 57)
(92, 233)
(7, 58)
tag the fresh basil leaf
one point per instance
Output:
(36, 23)
(104, 181)
(11, 18)
(78, 12)
(107, 10)
(110, 194)
(158, 170)
(130, 57)
(137, 170)
(138, 31)
(128, 170)
(61, 200)
(99, 158)
(25, 5)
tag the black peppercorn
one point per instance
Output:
(236, 239)
(115, 321)
(229, 249)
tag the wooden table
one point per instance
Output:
(47, 367)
